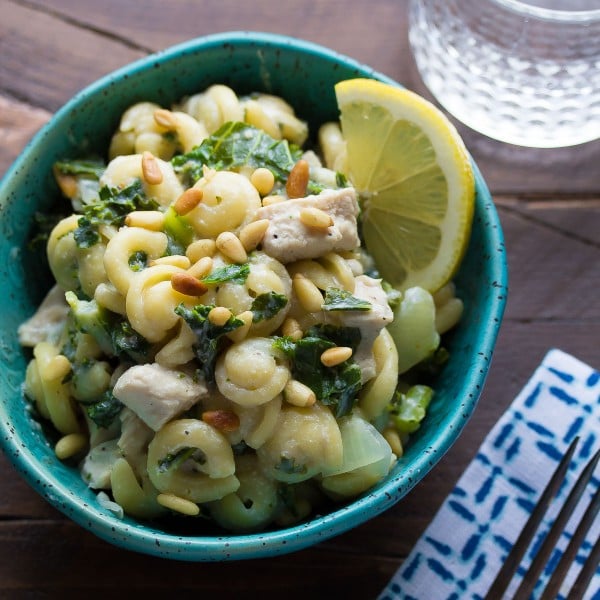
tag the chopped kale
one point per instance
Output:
(111, 208)
(105, 411)
(209, 337)
(127, 342)
(334, 386)
(176, 459)
(266, 306)
(394, 296)
(179, 231)
(232, 273)
(408, 409)
(237, 144)
(86, 168)
(336, 299)
(138, 261)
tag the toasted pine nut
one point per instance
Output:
(147, 219)
(200, 248)
(237, 335)
(58, 367)
(219, 315)
(297, 181)
(70, 445)
(178, 504)
(263, 180)
(224, 420)
(393, 439)
(201, 267)
(229, 244)
(298, 394)
(151, 169)
(253, 233)
(335, 356)
(275, 199)
(308, 293)
(175, 260)
(188, 201)
(315, 217)
(291, 328)
(165, 118)
(187, 284)
(66, 183)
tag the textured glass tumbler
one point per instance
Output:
(523, 72)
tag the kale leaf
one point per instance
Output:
(105, 411)
(266, 306)
(336, 299)
(233, 273)
(334, 386)
(209, 337)
(86, 168)
(176, 459)
(111, 208)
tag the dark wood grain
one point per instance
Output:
(549, 206)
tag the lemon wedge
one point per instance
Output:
(415, 180)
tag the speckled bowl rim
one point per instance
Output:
(143, 538)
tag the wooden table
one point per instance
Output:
(549, 205)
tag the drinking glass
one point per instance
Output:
(523, 72)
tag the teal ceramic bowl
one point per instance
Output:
(304, 74)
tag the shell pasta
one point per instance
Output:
(218, 343)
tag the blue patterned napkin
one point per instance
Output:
(461, 551)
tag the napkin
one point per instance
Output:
(463, 548)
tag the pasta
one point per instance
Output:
(217, 342)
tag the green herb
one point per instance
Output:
(237, 144)
(176, 459)
(111, 208)
(334, 386)
(179, 231)
(87, 168)
(341, 180)
(209, 337)
(336, 299)
(127, 342)
(266, 306)
(233, 273)
(394, 296)
(289, 466)
(104, 412)
(138, 261)
(408, 409)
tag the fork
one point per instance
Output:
(512, 562)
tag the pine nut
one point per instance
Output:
(237, 335)
(177, 504)
(200, 248)
(175, 260)
(393, 439)
(263, 180)
(298, 394)
(316, 218)
(219, 315)
(70, 445)
(223, 420)
(201, 267)
(184, 283)
(253, 233)
(308, 293)
(165, 118)
(335, 356)
(275, 199)
(229, 244)
(291, 328)
(297, 181)
(153, 220)
(188, 201)
(151, 169)
(66, 183)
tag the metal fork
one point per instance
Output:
(510, 566)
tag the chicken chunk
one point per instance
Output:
(48, 321)
(287, 239)
(369, 322)
(157, 394)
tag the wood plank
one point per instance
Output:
(46, 60)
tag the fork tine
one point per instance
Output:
(512, 561)
(569, 554)
(537, 565)
(587, 572)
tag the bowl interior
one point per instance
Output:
(304, 74)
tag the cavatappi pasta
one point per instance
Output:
(217, 342)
